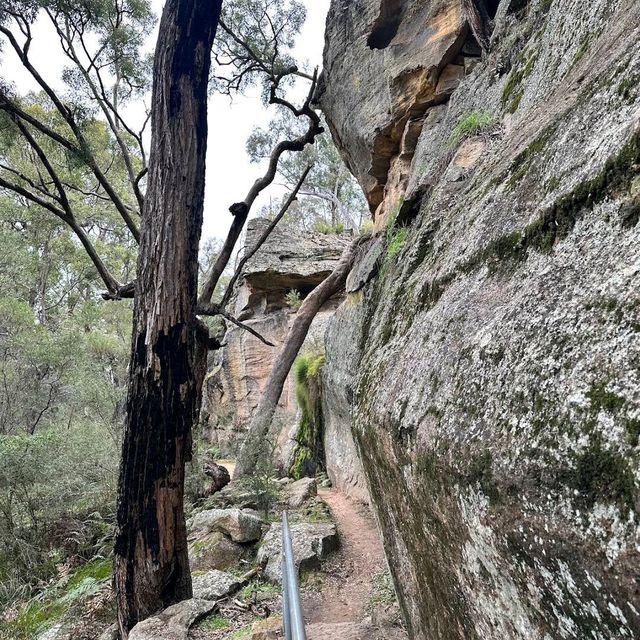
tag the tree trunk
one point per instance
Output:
(261, 421)
(151, 567)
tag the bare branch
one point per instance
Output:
(272, 225)
(241, 210)
(65, 112)
(215, 310)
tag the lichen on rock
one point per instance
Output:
(486, 364)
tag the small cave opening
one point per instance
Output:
(386, 25)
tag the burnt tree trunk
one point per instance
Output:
(151, 567)
(253, 446)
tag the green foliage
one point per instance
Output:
(213, 623)
(366, 227)
(57, 495)
(331, 199)
(265, 27)
(328, 229)
(260, 587)
(261, 482)
(471, 124)
(307, 371)
(396, 243)
(42, 612)
(293, 299)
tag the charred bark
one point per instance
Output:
(151, 568)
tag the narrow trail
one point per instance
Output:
(338, 608)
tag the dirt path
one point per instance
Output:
(339, 607)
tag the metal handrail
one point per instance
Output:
(293, 620)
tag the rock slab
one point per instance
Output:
(173, 623)
(301, 490)
(214, 585)
(311, 543)
(239, 525)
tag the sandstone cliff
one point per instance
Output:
(288, 261)
(486, 359)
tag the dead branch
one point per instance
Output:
(272, 225)
(241, 210)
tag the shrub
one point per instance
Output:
(57, 493)
(307, 369)
(471, 124)
(293, 299)
(396, 243)
(261, 483)
(328, 229)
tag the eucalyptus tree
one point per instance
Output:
(157, 200)
(101, 42)
(330, 197)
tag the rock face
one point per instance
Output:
(486, 357)
(287, 261)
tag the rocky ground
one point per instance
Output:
(235, 552)
(346, 592)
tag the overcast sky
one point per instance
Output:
(229, 172)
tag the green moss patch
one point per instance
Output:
(601, 398)
(604, 475)
(309, 453)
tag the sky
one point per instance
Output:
(229, 171)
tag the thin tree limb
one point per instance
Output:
(267, 232)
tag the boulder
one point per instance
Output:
(218, 476)
(311, 543)
(238, 496)
(110, 633)
(214, 585)
(239, 525)
(214, 551)
(173, 623)
(301, 490)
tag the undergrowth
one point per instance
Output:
(471, 124)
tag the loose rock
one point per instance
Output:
(173, 623)
(214, 585)
(302, 490)
(214, 551)
(218, 475)
(311, 543)
(239, 525)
